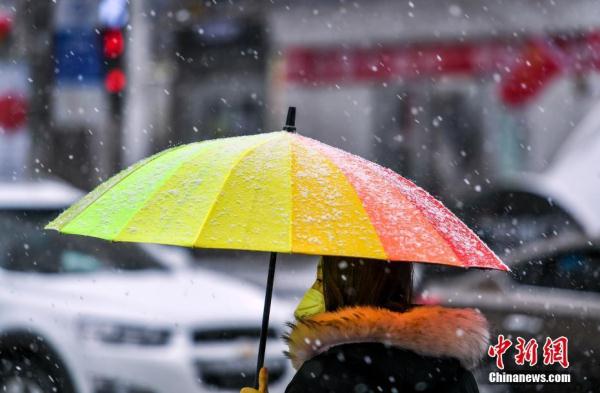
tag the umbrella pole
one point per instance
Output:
(265, 319)
(290, 126)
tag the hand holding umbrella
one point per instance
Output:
(263, 383)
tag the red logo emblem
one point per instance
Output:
(554, 351)
(499, 349)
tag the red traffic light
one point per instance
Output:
(113, 43)
(115, 81)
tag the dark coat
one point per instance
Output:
(373, 368)
(363, 350)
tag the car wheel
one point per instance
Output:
(26, 373)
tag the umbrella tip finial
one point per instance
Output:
(290, 121)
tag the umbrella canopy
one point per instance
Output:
(278, 192)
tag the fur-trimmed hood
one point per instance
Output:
(426, 330)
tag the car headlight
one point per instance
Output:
(120, 333)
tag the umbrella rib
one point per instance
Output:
(365, 211)
(226, 179)
(398, 183)
(158, 187)
(319, 148)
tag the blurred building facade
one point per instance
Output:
(15, 134)
(452, 94)
(64, 117)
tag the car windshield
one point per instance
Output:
(26, 247)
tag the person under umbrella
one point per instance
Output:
(276, 192)
(357, 330)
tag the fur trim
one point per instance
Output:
(427, 330)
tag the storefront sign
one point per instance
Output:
(508, 60)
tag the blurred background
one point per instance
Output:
(492, 106)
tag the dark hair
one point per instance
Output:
(366, 282)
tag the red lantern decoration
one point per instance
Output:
(6, 24)
(539, 64)
(13, 112)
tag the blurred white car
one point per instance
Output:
(563, 198)
(82, 315)
(552, 291)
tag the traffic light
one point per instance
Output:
(115, 78)
(113, 43)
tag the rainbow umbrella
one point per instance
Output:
(277, 192)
